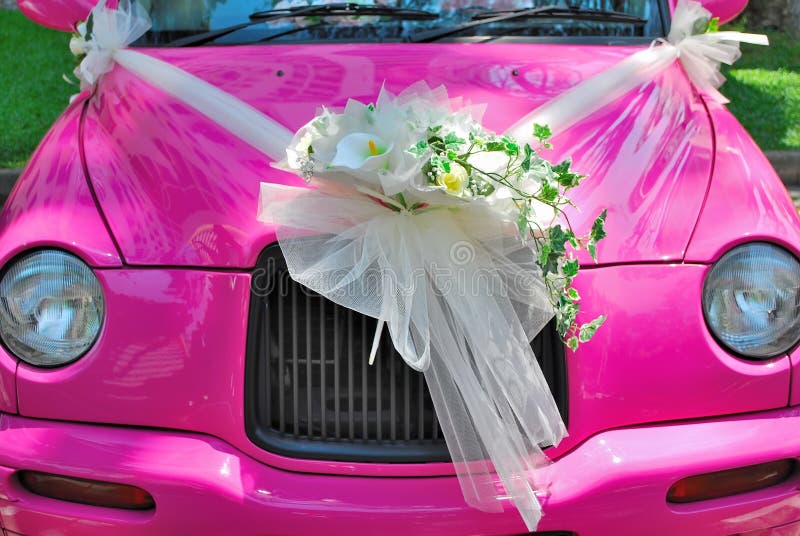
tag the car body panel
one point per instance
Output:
(746, 199)
(167, 220)
(8, 382)
(794, 399)
(188, 193)
(51, 203)
(614, 483)
(171, 355)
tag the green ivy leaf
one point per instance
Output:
(572, 343)
(453, 142)
(419, 149)
(597, 233)
(495, 146)
(564, 176)
(522, 218)
(548, 193)
(571, 268)
(511, 148)
(573, 294)
(563, 166)
(559, 238)
(526, 160)
(544, 255)
(587, 331)
(542, 133)
(569, 311)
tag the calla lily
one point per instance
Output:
(362, 151)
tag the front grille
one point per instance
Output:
(309, 392)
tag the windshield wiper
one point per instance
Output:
(556, 12)
(344, 9)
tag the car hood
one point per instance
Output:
(177, 189)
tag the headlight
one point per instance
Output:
(51, 308)
(751, 300)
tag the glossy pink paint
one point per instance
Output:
(51, 205)
(163, 387)
(177, 338)
(794, 398)
(180, 198)
(614, 483)
(746, 199)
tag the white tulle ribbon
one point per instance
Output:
(114, 29)
(461, 297)
(701, 53)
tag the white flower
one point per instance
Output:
(362, 150)
(368, 143)
(453, 181)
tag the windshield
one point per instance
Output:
(175, 20)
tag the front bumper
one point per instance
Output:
(615, 483)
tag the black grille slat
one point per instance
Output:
(323, 349)
(336, 358)
(310, 392)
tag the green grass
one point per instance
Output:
(32, 60)
(764, 87)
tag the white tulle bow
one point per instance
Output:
(111, 30)
(700, 52)
(462, 298)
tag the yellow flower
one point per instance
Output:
(455, 180)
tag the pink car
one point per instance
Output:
(161, 374)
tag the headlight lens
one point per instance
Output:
(51, 308)
(751, 300)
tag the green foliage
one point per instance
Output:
(764, 89)
(588, 330)
(32, 60)
(597, 233)
(527, 179)
(542, 133)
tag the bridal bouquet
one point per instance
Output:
(421, 151)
